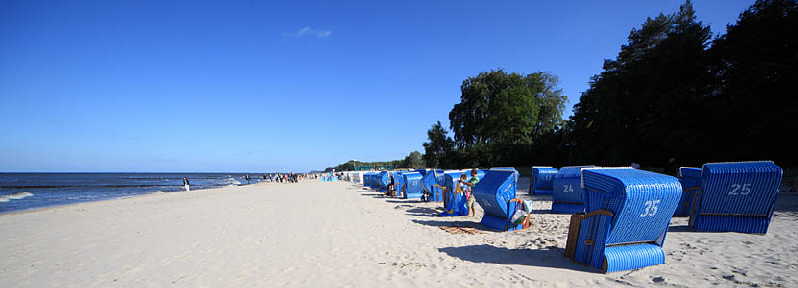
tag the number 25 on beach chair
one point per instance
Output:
(628, 212)
(735, 197)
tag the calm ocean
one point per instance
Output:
(19, 191)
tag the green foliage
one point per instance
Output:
(414, 160)
(668, 99)
(642, 107)
(358, 165)
(440, 147)
(500, 117)
(752, 103)
(505, 108)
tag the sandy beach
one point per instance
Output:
(315, 234)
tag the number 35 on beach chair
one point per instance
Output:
(735, 197)
(628, 212)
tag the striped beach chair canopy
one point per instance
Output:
(430, 181)
(736, 197)
(413, 186)
(628, 212)
(493, 193)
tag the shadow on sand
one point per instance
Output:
(404, 201)
(787, 202)
(544, 257)
(680, 228)
(422, 211)
(374, 194)
(436, 223)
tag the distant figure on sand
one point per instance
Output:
(186, 184)
(246, 177)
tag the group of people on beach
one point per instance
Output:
(274, 177)
(286, 178)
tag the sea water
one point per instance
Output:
(19, 191)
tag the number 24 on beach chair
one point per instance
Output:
(628, 212)
(567, 196)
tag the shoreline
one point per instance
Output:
(54, 206)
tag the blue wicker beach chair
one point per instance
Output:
(398, 184)
(493, 193)
(413, 187)
(482, 172)
(457, 204)
(439, 187)
(373, 180)
(367, 179)
(568, 196)
(382, 180)
(453, 205)
(628, 215)
(690, 178)
(736, 197)
(430, 183)
(541, 182)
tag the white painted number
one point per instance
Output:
(740, 189)
(568, 188)
(651, 208)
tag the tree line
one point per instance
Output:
(413, 160)
(673, 96)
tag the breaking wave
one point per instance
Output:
(15, 196)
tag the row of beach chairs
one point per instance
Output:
(620, 214)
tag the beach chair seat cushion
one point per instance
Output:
(542, 180)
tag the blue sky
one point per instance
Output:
(188, 86)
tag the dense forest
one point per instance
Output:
(674, 96)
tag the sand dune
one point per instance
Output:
(338, 235)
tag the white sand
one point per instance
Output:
(337, 235)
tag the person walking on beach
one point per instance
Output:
(186, 184)
(469, 188)
(246, 177)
